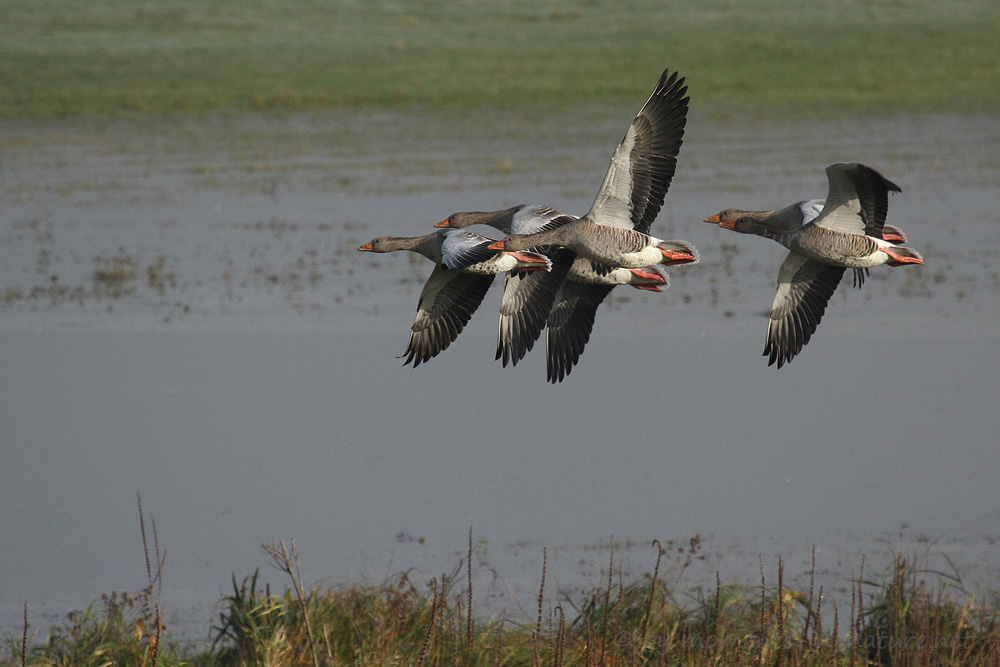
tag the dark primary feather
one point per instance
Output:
(528, 297)
(659, 131)
(447, 302)
(873, 195)
(794, 320)
(569, 326)
(554, 222)
(601, 269)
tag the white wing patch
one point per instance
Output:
(811, 210)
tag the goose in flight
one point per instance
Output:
(848, 233)
(615, 232)
(464, 267)
(610, 243)
(563, 301)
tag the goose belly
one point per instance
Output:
(500, 264)
(647, 256)
(852, 253)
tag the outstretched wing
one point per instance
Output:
(447, 302)
(873, 194)
(857, 201)
(863, 196)
(527, 300)
(804, 288)
(644, 162)
(569, 327)
(533, 219)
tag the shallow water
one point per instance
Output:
(241, 375)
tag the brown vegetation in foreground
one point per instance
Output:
(902, 620)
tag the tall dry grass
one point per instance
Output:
(902, 618)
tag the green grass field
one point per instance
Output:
(792, 56)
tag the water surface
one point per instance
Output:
(243, 378)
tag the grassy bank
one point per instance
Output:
(827, 56)
(898, 619)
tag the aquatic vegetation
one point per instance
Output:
(902, 619)
(113, 276)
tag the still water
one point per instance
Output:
(243, 377)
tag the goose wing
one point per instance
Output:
(811, 209)
(533, 219)
(644, 162)
(528, 297)
(527, 300)
(447, 302)
(461, 249)
(873, 193)
(860, 202)
(857, 200)
(804, 288)
(569, 326)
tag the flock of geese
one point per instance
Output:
(559, 268)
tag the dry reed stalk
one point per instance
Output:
(763, 607)
(861, 599)
(926, 629)
(652, 593)
(499, 649)
(288, 562)
(705, 642)
(607, 601)
(155, 587)
(852, 647)
(617, 617)
(430, 625)
(818, 621)
(439, 626)
(781, 612)
(809, 604)
(834, 639)
(24, 637)
(560, 637)
(718, 612)
(591, 641)
(326, 643)
(538, 625)
(470, 621)
(456, 632)
(551, 640)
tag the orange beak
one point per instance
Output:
(651, 288)
(728, 225)
(677, 257)
(496, 246)
(443, 223)
(899, 260)
(648, 275)
(714, 218)
(366, 247)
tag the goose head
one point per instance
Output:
(728, 215)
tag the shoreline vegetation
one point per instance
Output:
(761, 56)
(900, 618)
